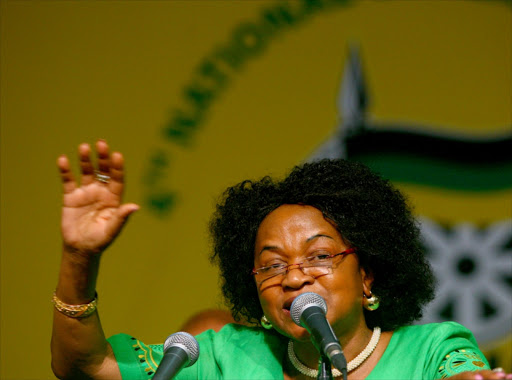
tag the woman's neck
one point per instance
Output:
(352, 345)
(311, 356)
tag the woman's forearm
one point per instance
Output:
(79, 348)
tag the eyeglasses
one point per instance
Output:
(314, 266)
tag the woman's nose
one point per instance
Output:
(296, 278)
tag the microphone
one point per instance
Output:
(308, 310)
(180, 350)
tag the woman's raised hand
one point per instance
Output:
(92, 213)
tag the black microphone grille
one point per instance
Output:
(187, 342)
(304, 301)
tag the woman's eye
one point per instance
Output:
(271, 268)
(319, 256)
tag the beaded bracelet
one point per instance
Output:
(75, 311)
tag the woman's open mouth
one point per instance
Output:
(287, 305)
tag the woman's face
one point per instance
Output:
(288, 235)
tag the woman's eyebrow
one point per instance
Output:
(275, 247)
(268, 248)
(319, 236)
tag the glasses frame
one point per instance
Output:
(287, 268)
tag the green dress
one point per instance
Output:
(431, 351)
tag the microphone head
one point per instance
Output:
(303, 302)
(186, 342)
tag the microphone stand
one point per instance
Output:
(340, 363)
(324, 369)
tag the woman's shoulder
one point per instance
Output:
(239, 349)
(431, 344)
(226, 349)
(440, 337)
(240, 334)
(441, 329)
(230, 332)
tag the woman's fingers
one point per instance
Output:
(68, 181)
(126, 210)
(116, 173)
(101, 172)
(86, 166)
(103, 157)
(108, 171)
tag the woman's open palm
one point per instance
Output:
(92, 212)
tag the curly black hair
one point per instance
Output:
(366, 209)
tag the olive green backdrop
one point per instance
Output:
(199, 95)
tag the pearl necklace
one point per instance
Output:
(352, 365)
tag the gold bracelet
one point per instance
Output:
(75, 311)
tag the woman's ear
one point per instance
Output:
(367, 278)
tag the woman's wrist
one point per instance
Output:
(77, 277)
(82, 255)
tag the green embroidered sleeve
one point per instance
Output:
(136, 360)
(460, 361)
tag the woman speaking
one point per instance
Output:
(331, 228)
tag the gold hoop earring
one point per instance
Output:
(372, 302)
(265, 323)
